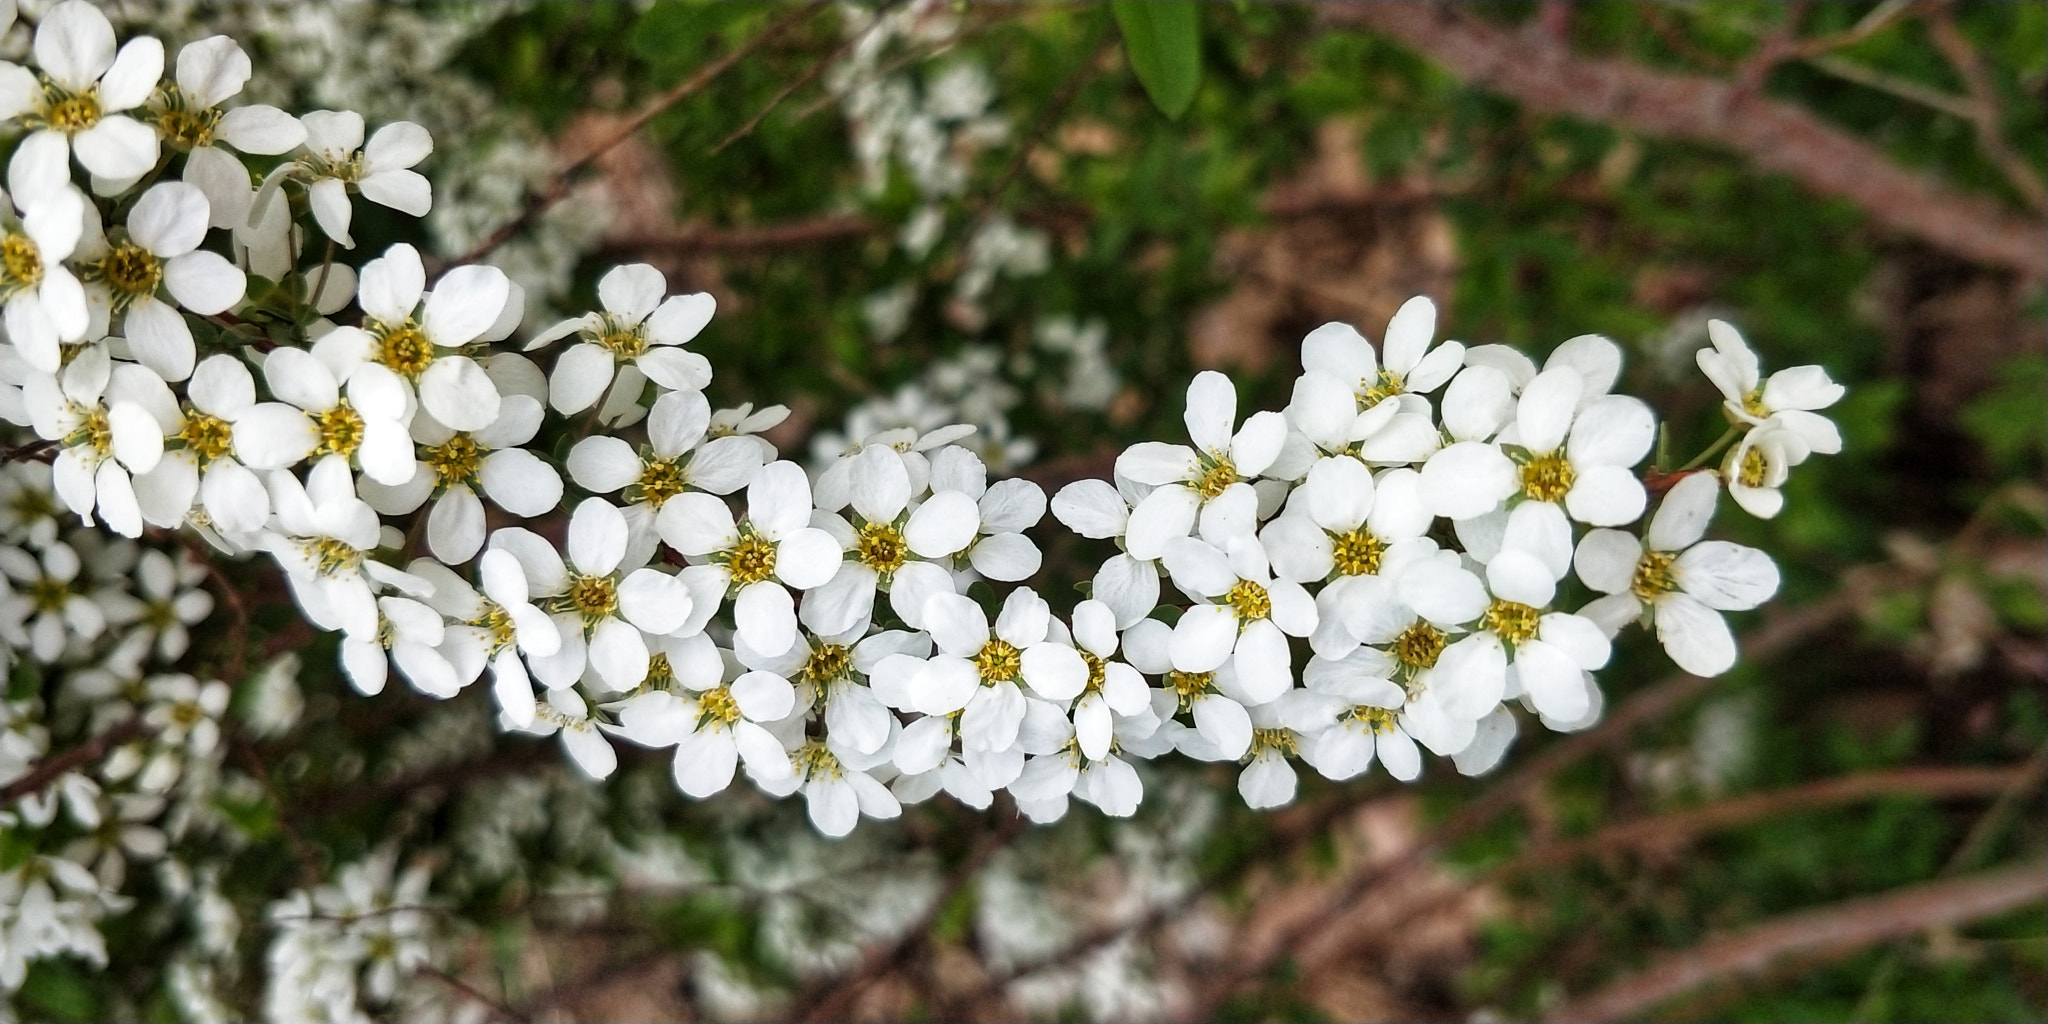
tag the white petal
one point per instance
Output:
(1091, 508)
(1613, 431)
(455, 527)
(1544, 415)
(1204, 638)
(1166, 514)
(944, 524)
(581, 374)
(1521, 577)
(1055, 671)
(766, 618)
(520, 483)
(1444, 594)
(1606, 560)
(1223, 722)
(705, 762)
(465, 302)
(1694, 635)
(458, 393)
(1726, 577)
(597, 537)
(1211, 411)
(1682, 517)
(656, 601)
(1467, 479)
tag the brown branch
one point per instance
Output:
(30, 451)
(1830, 930)
(51, 768)
(835, 1002)
(1985, 110)
(817, 69)
(1547, 76)
(791, 235)
(498, 1009)
(1047, 118)
(558, 186)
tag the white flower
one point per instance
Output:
(412, 633)
(108, 420)
(677, 458)
(1113, 689)
(830, 672)
(1588, 475)
(999, 551)
(1365, 711)
(1209, 483)
(1212, 697)
(1788, 398)
(336, 159)
(881, 547)
(46, 589)
(835, 795)
(717, 727)
(45, 304)
(1760, 463)
(457, 464)
(1342, 526)
(601, 602)
(168, 602)
(199, 461)
(184, 712)
(759, 560)
(1099, 510)
(189, 117)
(1412, 366)
(1676, 581)
(160, 250)
(1268, 780)
(976, 671)
(314, 420)
(638, 326)
(323, 539)
(1249, 622)
(493, 628)
(1552, 652)
(75, 105)
(418, 344)
(567, 714)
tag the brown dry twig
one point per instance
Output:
(792, 235)
(51, 768)
(1834, 929)
(1986, 112)
(1547, 76)
(499, 1011)
(558, 186)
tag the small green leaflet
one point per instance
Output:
(1163, 39)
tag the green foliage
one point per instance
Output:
(1163, 40)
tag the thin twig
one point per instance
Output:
(817, 69)
(1834, 929)
(558, 186)
(29, 451)
(1986, 112)
(1047, 118)
(51, 768)
(791, 235)
(495, 1006)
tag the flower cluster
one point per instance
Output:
(573, 520)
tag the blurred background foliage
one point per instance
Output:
(1885, 732)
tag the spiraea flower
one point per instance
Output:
(420, 345)
(315, 420)
(158, 249)
(978, 670)
(880, 552)
(45, 305)
(189, 115)
(107, 418)
(77, 104)
(1207, 485)
(455, 465)
(199, 461)
(336, 160)
(638, 327)
(760, 559)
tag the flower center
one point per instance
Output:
(404, 348)
(1382, 387)
(1547, 477)
(660, 480)
(1512, 621)
(181, 126)
(1216, 479)
(207, 437)
(1250, 600)
(998, 661)
(330, 556)
(1189, 685)
(497, 625)
(752, 559)
(593, 597)
(827, 664)
(880, 547)
(94, 433)
(132, 272)
(1281, 740)
(1753, 404)
(717, 707)
(1754, 469)
(1653, 576)
(50, 595)
(1358, 553)
(1378, 721)
(456, 461)
(621, 340)
(341, 431)
(71, 112)
(159, 615)
(21, 261)
(813, 761)
(1419, 646)
(660, 674)
(1097, 672)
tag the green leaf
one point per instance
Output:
(1163, 39)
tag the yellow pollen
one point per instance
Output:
(1250, 600)
(812, 760)
(1653, 576)
(621, 340)
(132, 272)
(1754, 469)
(94, 433)
(1097, 672)
(1189, 685)
(1281, 740)
(717, 707)
(752, 559)
(207, 437)
(997, 662)
(341, 431)
(497, 624)
(1419, 646)
(880, 547)
(1379, 389)
(180, 125)
(1380, 721)
(22, 262)
(404, 348)
(1547, 477)
(187, 713)
(1512, 621)
(593, 597)
(1358, 553)
(1753, 404)
(660, 674)
(454, 462)
(330, 556)
(829, 663)
(71, 112)
(1216, 479)
(660, 480)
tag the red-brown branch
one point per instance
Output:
(1839, 928)
(791, 235)
(1545, 75)
(51, 768)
